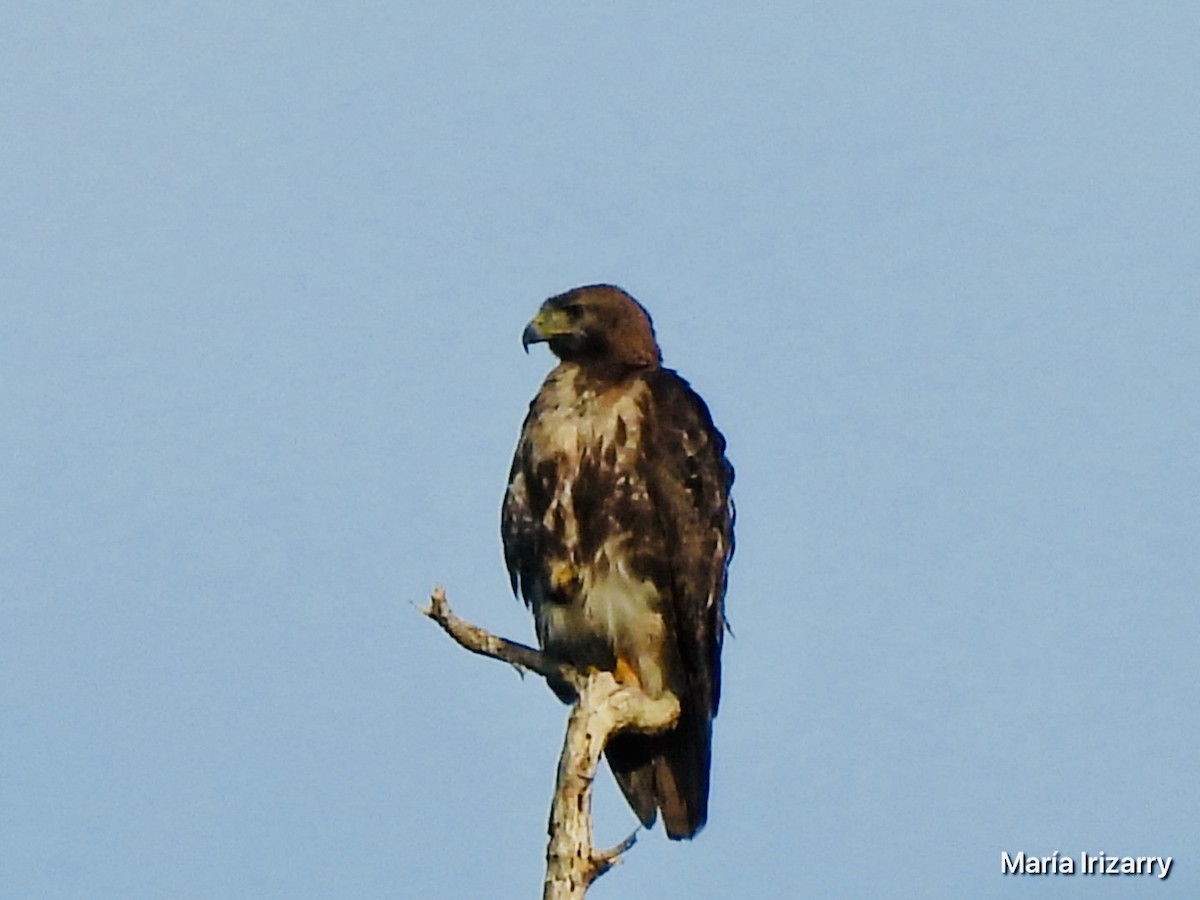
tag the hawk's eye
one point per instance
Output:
(574, 311)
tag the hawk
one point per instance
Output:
(618, 530)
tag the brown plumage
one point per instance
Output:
(618, 530)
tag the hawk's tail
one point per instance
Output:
(667, 772)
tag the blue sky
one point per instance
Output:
(266, 266)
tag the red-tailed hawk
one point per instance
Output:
(618, 530)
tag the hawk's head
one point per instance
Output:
(596, 324)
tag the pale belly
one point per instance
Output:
(615, 611)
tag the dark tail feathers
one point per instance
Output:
(667, 772)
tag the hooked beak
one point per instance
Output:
(531, 335)
(547, 325)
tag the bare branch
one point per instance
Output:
(603, 707)
(477, 640)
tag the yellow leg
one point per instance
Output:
(562, 574)
(624, 673)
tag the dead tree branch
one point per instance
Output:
(603, 708)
